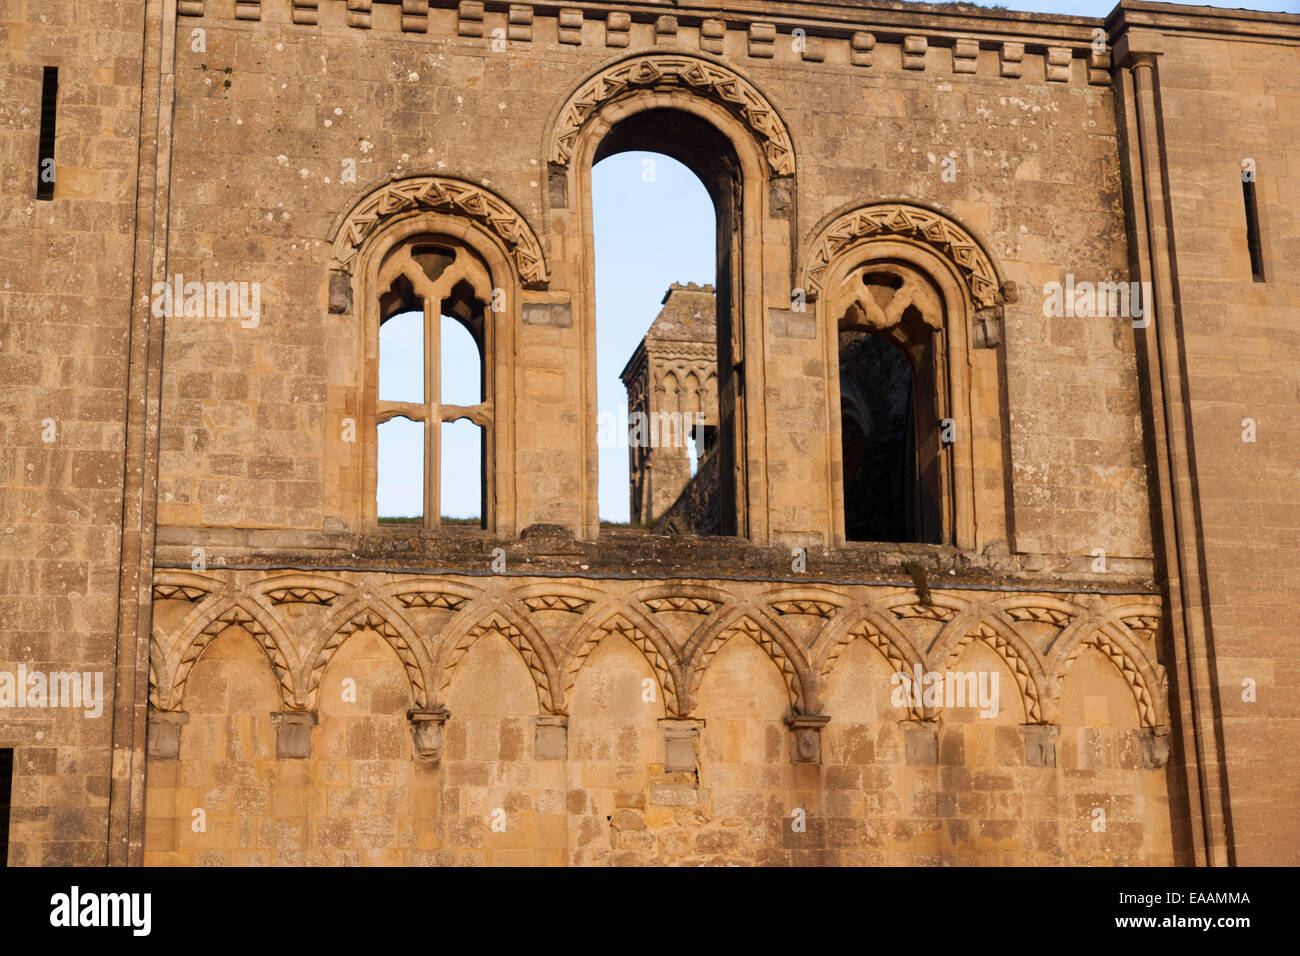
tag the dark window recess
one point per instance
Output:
(1252, 230)
(6, 789)
(49, 105)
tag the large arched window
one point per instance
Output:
(890, 418)
(900, 290)
(722, 128)
(431, 412)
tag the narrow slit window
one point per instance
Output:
(1252, 230)
(6, 793)
(45, 159)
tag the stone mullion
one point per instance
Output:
(433, 411)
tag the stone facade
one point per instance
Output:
(188, 498)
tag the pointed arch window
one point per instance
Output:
(892, 405)
(435, 294)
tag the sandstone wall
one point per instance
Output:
(1233, 389)
(722, 662)
(271, 114)
(66, 271)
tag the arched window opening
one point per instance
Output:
(891, 438)
(679, 370)
(431, 408)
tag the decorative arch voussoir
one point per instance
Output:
(654, 647)
(771, 640)
(535, 652)
(1146, 680)
(656, 72)
(1016, 654)
(444, 194)
(907, 220)
(900, 657)
(388, 625)
(257, 622)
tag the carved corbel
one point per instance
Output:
(806, 737)
(164, 733)
(426, 731)
(293, 733)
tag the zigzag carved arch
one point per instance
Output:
(644, 636)
(186, 585)
(721, 600)
(303, 588)
(373, 614)
(872, 625)
(501, 619)
(656, 72)
(425, 592)
(575, 599)
(245, 613)
(907, 220)
(771, 638)
(812, 600)
(998, 633)
(1146, 679)
(947, 609)
(438, 192)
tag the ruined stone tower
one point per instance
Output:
(929, 217)
(671, 382)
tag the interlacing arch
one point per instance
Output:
(645, 637)
(811, 601)
(522, 636)
(167, 690)
(1146, 680)
(1018, 656)
(869, 624)
(367, 614)
(771, 639)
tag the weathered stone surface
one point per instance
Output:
(186, 500)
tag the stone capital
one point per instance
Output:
(552, 741)
(426, 731)
(1155, 747)
(806, 737)
(920, 742)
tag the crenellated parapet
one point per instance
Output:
(920, 39)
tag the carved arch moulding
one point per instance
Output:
(909, 221)
(444, 194)
(649, 72)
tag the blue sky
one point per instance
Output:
(1102, 8)
(654, 226)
